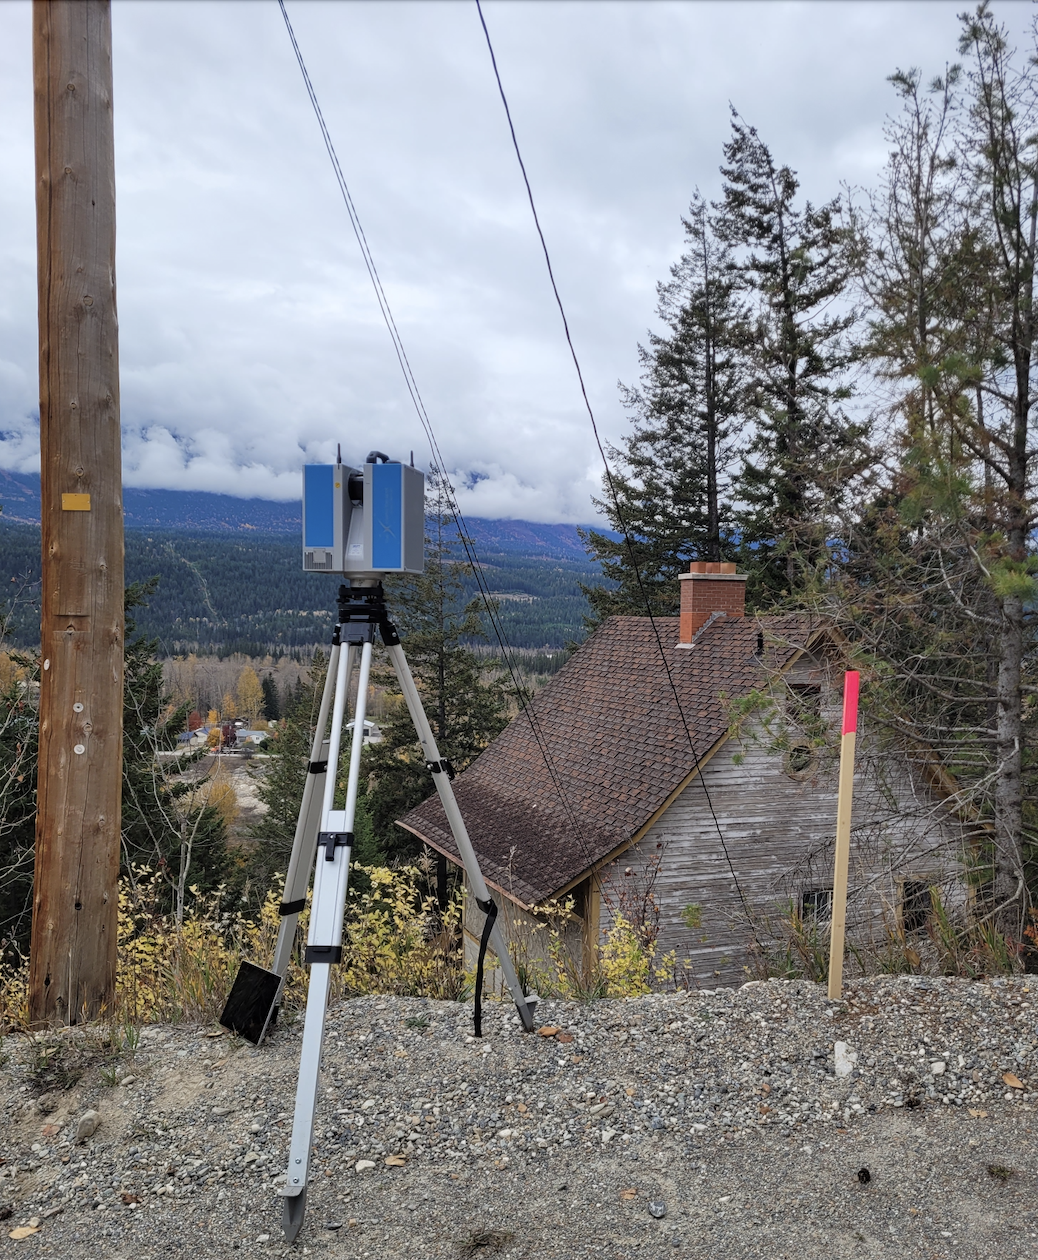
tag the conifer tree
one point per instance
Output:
(794, 262)
(940, 583)
(271, 699)
(280, 788)
(462, 691)
(669, 475)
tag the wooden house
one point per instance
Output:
(684, 776)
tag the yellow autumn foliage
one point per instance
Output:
(395, 942)
(550, 959)
(216, 794)
(10, 671)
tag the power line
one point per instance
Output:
(522, 695)
(614, 496)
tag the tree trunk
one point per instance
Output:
(1008, 858)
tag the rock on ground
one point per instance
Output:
(723, 1109)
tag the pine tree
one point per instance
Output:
(941, 582)
(795, 268)
(463, 693)
(669, 478)
(271, 699)
(280, 788)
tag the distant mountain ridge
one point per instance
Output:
(203, 512)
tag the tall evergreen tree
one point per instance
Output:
(280, 788)
(670, 473)
(795, 266)
(463, 692)
(941, 583)
(271, 699)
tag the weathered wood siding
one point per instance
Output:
(778, 836)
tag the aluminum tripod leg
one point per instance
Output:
(457, 826)
(324, 941)
(301, 863)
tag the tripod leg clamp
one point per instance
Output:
(332, 840)
(389, 634)
(443, 766)
(323, 954)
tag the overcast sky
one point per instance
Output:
(250, 340)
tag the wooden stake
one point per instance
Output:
(75, 898)
(843, 833)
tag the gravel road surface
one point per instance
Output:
(758, 1122)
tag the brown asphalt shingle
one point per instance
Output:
(553, 796)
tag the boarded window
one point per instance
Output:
(804, 705)
(800, 759)
(816, 905)
(804, 715)
(581, 897)
(916, 905)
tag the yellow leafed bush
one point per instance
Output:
(395, 942)
(550, 960)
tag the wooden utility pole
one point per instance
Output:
(75, 898)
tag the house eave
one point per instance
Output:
(453, 857)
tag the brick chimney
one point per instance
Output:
(709, 587)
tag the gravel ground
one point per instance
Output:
(764, 1121)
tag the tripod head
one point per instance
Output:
(362, 609)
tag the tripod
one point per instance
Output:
(327, 834)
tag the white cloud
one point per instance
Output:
(249, 336)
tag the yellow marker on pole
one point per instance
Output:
(843, 832)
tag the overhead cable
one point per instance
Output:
(523, 697)
(610, 483)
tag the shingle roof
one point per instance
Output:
(616, 745)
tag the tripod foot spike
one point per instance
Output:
(292, 1215)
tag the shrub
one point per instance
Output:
(397, 942)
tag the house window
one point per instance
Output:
(804, 713)
(804, 705)
(800, 759)
(916, 905)
(816, 905)
(581, 896)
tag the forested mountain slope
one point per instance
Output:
(246, 592)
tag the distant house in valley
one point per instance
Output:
(689, 784)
